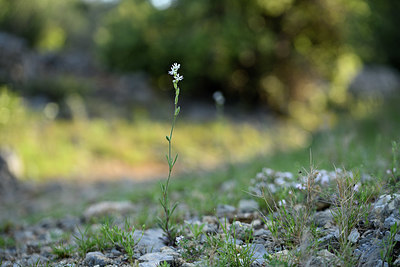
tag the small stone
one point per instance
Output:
(210, 219)
(107, 208)
(259, 253)
(323, 258)
(157, 257)
(225, 210)
(248, 205)
(354, 236)
(242, 231)
(96, 258)
(323, 218)
(210, 228)
(36, 259)
(389, 221)
(151, 241)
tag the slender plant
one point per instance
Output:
(165, 223)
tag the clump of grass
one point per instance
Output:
(394, 171)
(192, 247)
(63, 251)
(121, 238)
(288, 220)
(106, 237)
(223, 249)
(85, 241)
(388, 245)
(165, 222)
(349, 208)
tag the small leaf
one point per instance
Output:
(176, 157)
(167, 138)
(174, 207)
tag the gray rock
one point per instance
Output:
(323, 218)
(386, 205)
(328, 240)
(262, 233)
(37, 260)
(151, 241)
(210, 228)
(225, 210)
(96, 259)
(242, 231)
(8, 182)
(6, 264)
(107, 208)
(248, 205)
(389, 221)
(154, 259)
(259, 253)
(376, 79)
(369, 254)
(323, 258)
(354, 236)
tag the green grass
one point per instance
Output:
(52, 148)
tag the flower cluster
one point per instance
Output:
(174, 72)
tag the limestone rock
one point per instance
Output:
(107, 208)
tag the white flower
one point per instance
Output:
(178, 77)
(219, 98)
(174, 69)
(268, 171)
(280, 181)
(300, 186)
(281, 203)
(174, 72)
(388, 172)
(179, 239)
(356, 187)
(288, 175)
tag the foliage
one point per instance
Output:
(275, 52)
(224, 251)
(47, 25)
(107, 236)
(347, 212)
(389, 243)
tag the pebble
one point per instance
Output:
(248, 205)
(96, 258)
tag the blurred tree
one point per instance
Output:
(275, 52)
(378, 35)
(45, 24)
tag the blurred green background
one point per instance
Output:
(85, 90)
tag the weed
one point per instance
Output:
(196, 229)
(389, 243)
(192, 247)
(165, 223)
(394, 171)
(84, 241)
(288, 219)
(6, 242)
(348, 210)
(106, 237)
(225, 250)
(63, 251)
(121, 238)
(164, 264)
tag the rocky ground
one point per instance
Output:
(242, 229)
